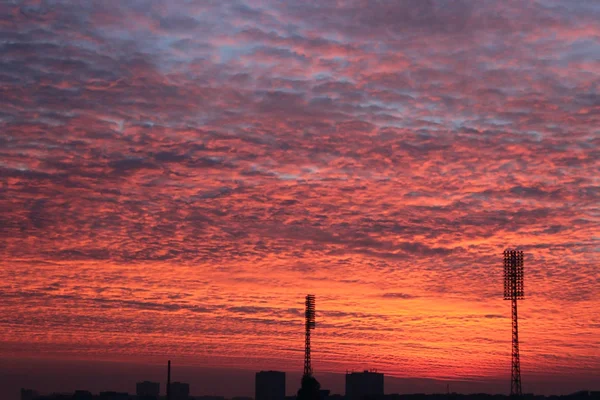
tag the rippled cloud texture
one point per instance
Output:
(176, 176)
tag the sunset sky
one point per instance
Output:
(175, 176)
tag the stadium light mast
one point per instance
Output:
(309, 325)
(513, 291)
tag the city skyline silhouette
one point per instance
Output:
(176, 175)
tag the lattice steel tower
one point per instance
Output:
(513, 291)
(309, 325)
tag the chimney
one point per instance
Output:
(169, 381)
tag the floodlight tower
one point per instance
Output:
(513, 291)
(309, 325)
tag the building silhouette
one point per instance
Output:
(110, 395)
(28, 394)
(180, 391)
(83, 395)
(208, 397)
(147, 390)
(269, 385)
(364, 385)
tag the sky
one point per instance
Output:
(175, 177)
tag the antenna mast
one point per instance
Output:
(309, 325)
(513, 291)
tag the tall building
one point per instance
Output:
(147, 390)
(269, 385)
(180, 391)
(364, 385)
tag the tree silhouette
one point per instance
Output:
(310, 389)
